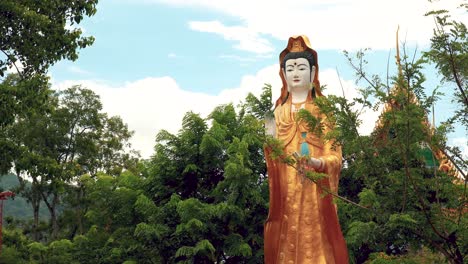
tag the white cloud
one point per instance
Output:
(16, 67)
(462, 144)
(74, 27)
(147, 106)
(152, 104)
(78, 70)
(237, 58)
(338, 87)
(246, 39)
(335, 24)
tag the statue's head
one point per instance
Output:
(299, 68)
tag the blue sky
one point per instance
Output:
(154, 60)
(137, 40)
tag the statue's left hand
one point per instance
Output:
(314, 163)
(309, 163)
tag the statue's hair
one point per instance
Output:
(301, 54)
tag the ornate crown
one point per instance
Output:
(296, 46)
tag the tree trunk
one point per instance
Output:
(80, 210)
(53, 217)
(35, 200)
(35, 205)
(53, 214)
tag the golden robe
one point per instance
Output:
(302, 224)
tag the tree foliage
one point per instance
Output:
(36, 34)
(203, 196)
(412, 204)
(54, 148)
(33, 36)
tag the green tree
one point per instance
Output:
(36, 34)
(449, 53)
(210, 186)
(410, 203)
(33, 36)
(19, 98)
(73, 139)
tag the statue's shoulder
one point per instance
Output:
(279, 109)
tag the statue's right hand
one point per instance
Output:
(270, 126)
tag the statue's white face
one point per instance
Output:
(298, 74)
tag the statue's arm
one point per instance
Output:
(329, 161)
(332, 159)
(270, 126)
(332, 165)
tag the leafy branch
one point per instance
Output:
(307, 173)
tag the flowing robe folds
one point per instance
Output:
(302, 224)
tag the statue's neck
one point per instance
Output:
(299, 96)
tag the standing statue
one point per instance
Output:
(302, 224)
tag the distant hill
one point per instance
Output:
(8, 182)
(18, 207)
